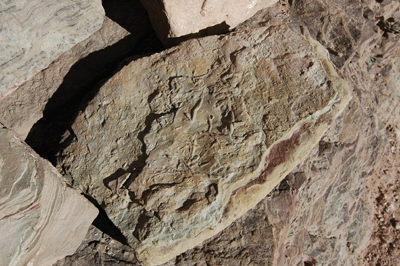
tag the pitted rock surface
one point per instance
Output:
(34, 33)
(178, 145)
(38, 210)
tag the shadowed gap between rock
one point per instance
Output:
(104, 224)
(53, 132)
(82, 83)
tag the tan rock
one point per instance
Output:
(42, 219)
(21, 109)
(320, 214)
(179, 18)
(34, 33)
(177, 146)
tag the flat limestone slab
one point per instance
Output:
(183, 17)
(41, 218)
(178, 145)
(34, 33)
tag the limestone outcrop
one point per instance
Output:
(34, 33)
(42, 219)
(173, 19)
(177, 146)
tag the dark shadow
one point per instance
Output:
(104, 224)
(87, 75)
(218, 29)
(159, 19)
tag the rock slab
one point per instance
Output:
(34, 33)
(177, 146)
(173, 18)
(41, 218)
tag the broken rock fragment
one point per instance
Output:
(179, 18)
(34, 33)
(41, 218)
(177, 146)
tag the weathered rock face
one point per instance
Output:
(24, 107)
(321, 213)
(337, 25)
(100, 249)
(177, 146)
(179, 18)
(64, 83)
(34, 33)
(41, 218)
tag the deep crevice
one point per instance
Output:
(104, 224)
(53, 133)
(86, 76)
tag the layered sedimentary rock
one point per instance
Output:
(42, 219)
(34, 33)
(64, 83)
(24, 107)
(179, 18)
(177, 146)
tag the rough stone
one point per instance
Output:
(177, 146)
(339, 206)
(42, 219)
(99, 248)
(364, 139)
(21, 109)
(173, 19)
(34, 33)
(64, 83)
(337, 25)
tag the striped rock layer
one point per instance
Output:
(34, 33)
(42, 219)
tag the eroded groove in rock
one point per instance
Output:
(42, 219)
(230, 117)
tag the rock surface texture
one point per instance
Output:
(57, 89)
(340, 205)
(177, 146)
(42, 219)
(24, 107)
(34, 33)
(173, 18)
